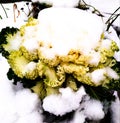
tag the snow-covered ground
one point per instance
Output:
(19, 105)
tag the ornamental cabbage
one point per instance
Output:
(63, 47)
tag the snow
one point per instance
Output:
(30, 67)
(67, 101)
(112, 35)
(98, 75)
(4, 23)
(79, 117)
(15, 43)
(19, 105)
(89, 108)
(73, 30)
(115, 109)
(29, 42)
(106, 44)
(111, 73)
(95, 58)
(94, 110)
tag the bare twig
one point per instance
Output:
(14, 8)
(112, 18)
(4, 10)
(87, 6)
(18, 12)
(112, 15)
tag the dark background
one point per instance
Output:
(11, 1)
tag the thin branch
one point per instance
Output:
(112, 15)
(4, 10)
(112, 18)
(0, 17)
(95, 10)
(109, 24)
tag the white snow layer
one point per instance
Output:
(73, 30)
(66, 101)
(113, 36)
(115, 110)
(101, 74)
(17, 106)
(94, 109)
(91, 109)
